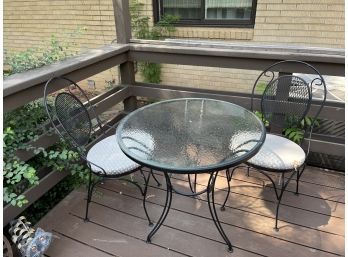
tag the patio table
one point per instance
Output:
(191, 136)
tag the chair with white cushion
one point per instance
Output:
(76, 122)
(285, 103)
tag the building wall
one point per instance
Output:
(31, 22)
(83, 25)
(298, 22)
(314, 23)
(318, 23)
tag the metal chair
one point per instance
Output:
(285, 102)
(76, 122)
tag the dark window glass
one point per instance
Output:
(210, 12)
(185, 9)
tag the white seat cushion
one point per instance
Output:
(108, 155)
(279, 153)
(139, 143)
(244, 141)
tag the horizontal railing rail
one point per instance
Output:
(20, 89)
(327, 61)
(332, 111)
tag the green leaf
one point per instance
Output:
(63, 155)
(9, 175)
(20, 197)
(308, 121)
(316, 123)
(292, 134)
(288, 131)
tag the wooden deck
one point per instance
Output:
(311, 224)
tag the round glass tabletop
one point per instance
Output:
(190, 135)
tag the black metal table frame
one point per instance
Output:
(210, 190)
(213, 170)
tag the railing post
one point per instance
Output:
(280, 95)
(124, 34)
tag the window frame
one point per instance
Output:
(158, 12)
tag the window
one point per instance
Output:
(237, 13)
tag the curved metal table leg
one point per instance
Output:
(194, 187)
(146, 179)
(154, 177)
(212, 209)
(165, 209)
(229, 175)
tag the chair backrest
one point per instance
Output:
(70, 113)
(287, 98)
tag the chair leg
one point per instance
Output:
(276, 217)
(279, 198)
(297, 181)
(299, 174)
(89, 195)
(279, 195)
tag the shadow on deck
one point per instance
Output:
(311, 224)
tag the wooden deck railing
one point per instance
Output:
(23, 88)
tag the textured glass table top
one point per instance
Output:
(190, 135)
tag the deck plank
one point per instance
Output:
(63, 246)
(238, 219)
(315, 204)
(286, 213)
(305, 188)
(323, 177)
(290, 214)
(118, 226)
(173, 237)
(117, 243)
(333, 193)
(167, 237)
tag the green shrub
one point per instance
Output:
(151, 72)
(23, 126)
(295, 133)
(52, 51)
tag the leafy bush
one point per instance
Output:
(151, 72)
(292, 131)
(296, 134)
(24, 125)
(36, 57)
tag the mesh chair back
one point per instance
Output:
(70, 112)
(287, 99)
(74, 118)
